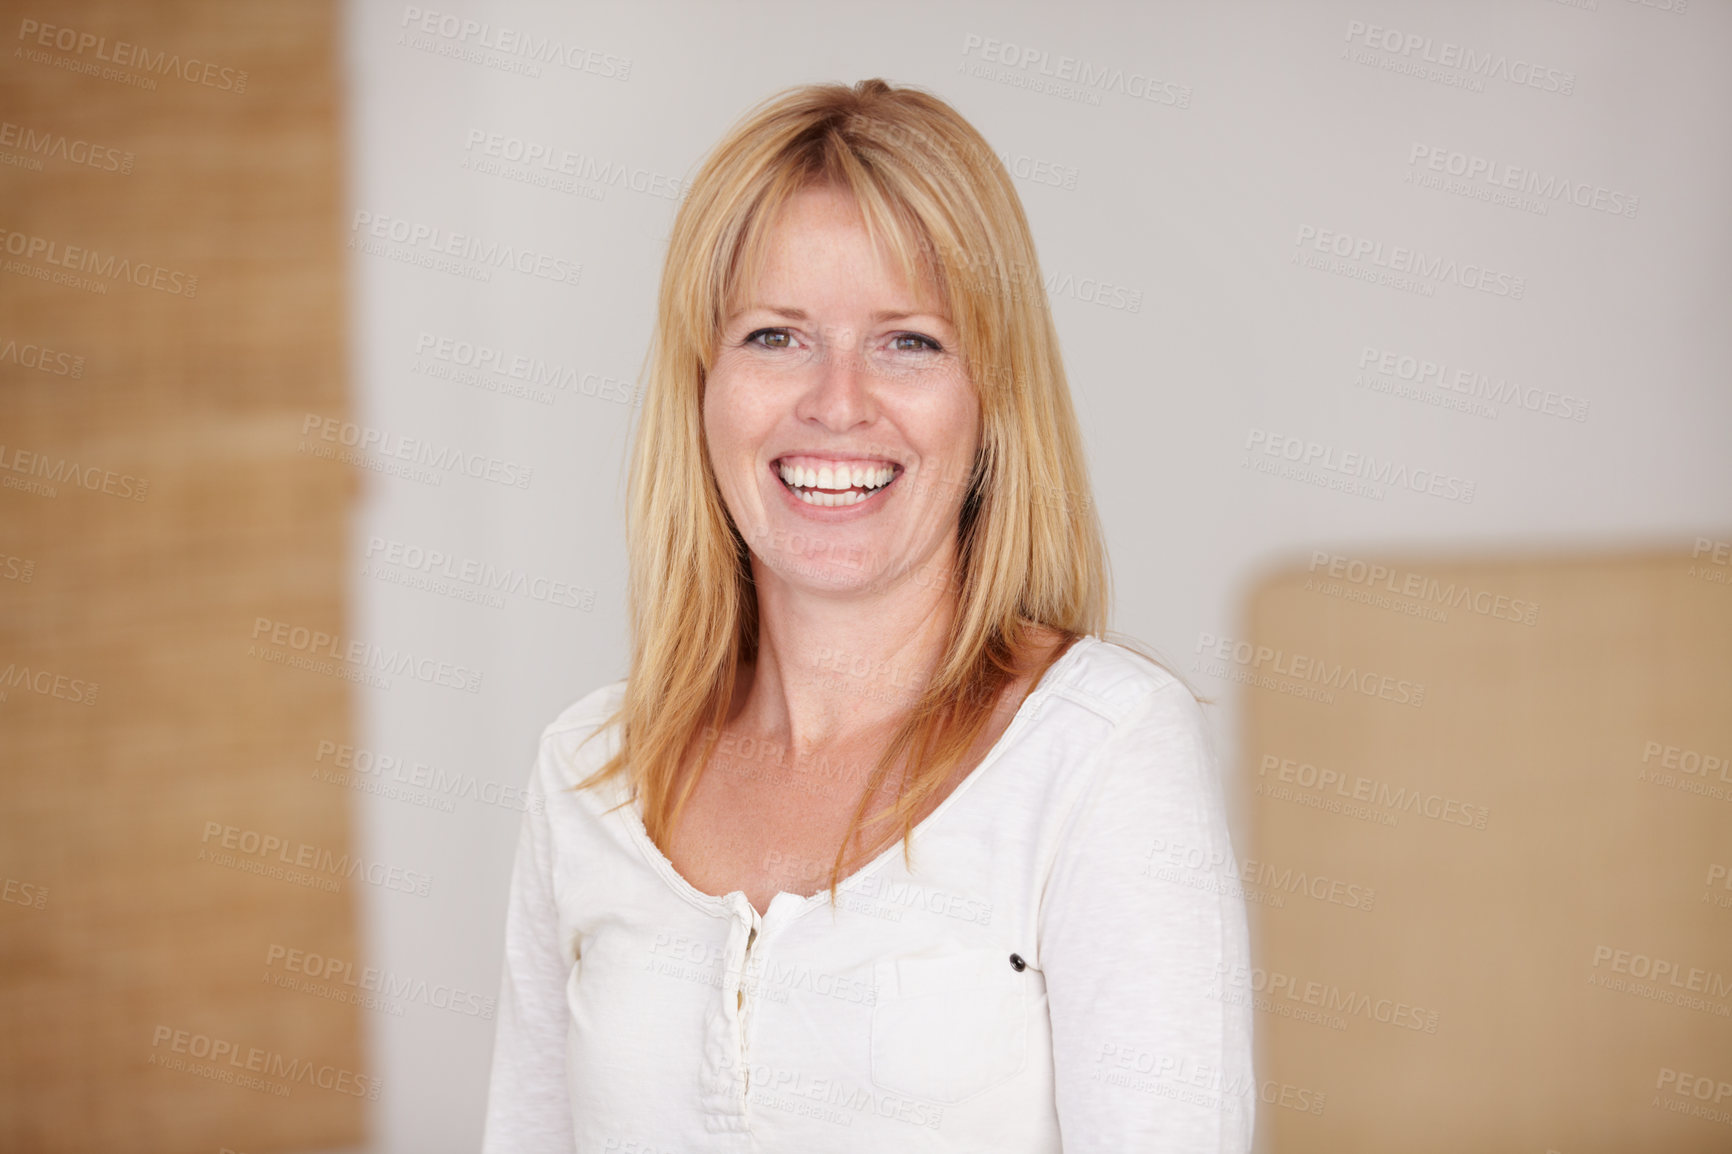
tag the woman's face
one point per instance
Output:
(838, 414)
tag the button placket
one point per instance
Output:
(727, 1071)
(747, 990)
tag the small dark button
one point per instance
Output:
(1017, 964)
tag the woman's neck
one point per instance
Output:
(833, 668)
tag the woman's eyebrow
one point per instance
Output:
(892, 315)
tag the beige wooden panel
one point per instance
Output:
(150, 592)
(1449, 987)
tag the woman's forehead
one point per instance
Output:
(790, 250)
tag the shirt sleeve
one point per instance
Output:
(1148, 1053)
(528, 1100)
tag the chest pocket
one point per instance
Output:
(948, 1028)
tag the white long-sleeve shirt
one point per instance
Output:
(1040, 982)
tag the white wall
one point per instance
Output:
(1265, 125)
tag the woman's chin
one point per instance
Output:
(817, 575)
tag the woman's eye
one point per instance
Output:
(771, 339)
(917, 343)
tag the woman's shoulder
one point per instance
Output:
(1150, 754)
(568, 753)
(580, 720)
(590, 710)
(1117, 680)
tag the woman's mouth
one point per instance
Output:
(829, 482)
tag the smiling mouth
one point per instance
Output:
(834, 483)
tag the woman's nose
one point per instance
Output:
(840, 393)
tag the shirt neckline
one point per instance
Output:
(717, 903)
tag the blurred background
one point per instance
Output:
(1399, 332)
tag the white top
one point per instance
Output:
(639, 1015)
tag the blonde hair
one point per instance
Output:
(1030, 549)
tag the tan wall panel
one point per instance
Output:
(151, 593)
(1495, 950)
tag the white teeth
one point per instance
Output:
(805, 481)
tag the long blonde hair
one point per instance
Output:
(1030, 548)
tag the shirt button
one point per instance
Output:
(1017, 964)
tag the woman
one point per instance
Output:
(867, 589)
